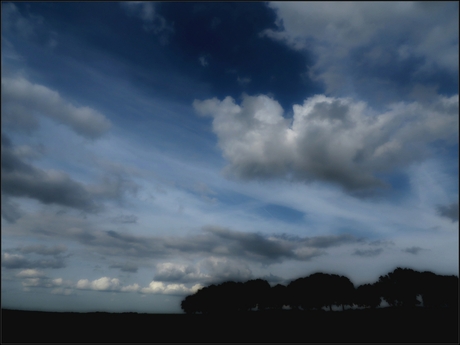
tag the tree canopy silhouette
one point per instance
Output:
(402, 287)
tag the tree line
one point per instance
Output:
(401, 288)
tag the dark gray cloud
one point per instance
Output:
(126, 267)
(31, 257)
(368, 252)
(449, 211)
(22, 179)
(412, 250)
(329, 139)
(21, 99)
(43, 250)
(11, 211)
(125, 219)
(331, 241)
(212, 241)
(381, 243)
(16, 261)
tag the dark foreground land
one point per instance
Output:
(419, 325)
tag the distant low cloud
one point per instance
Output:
(329, 139)
(17, 261)
(126, 267)
(170, 289)
(126, 219)
(32, 278)
(21, 100)
(101, 284)
(412, 250)
(43, 250)
(368, 253)
(449, 211)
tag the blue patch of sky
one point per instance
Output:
(399, 183)
(234, 49)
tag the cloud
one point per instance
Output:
(449, 211)
(30, 273)
(243, 81)
(11, 211)
(130, 288)
(368, 253)
(153, 22)
(215, 241)
(16, 261)
(43, 250)
(224, 269)
(13, 21)
(101, 284)
(168, 271)
(412, 250)
(113, 186)
(328, 139)
(381, 243)
(37, 279)
(126, 219)
(126, 267)
(21, 179)
(352, 42)
(205, 192)
(330, 241)
(62, 291)
(203, 61)
(22, 100)
(156, 287)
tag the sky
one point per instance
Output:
(151, 149)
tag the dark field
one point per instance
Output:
(382, 325)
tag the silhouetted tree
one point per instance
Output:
(255, 294)
(438, 290)
(367, 295)
(342, 290)
(277, 297)
(400, 287)
(313, 292)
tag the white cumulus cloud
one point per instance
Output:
(330, 139)
(156, 287)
